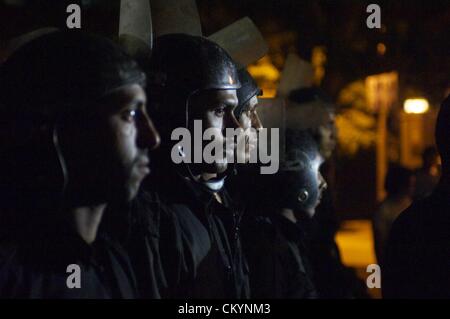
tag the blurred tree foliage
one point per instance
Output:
(355, 122)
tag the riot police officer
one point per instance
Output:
(193, 80)
(278, 254)
(79, 137)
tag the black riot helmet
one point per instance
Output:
(182, 65)
(52, 80)
(248, 89)
(298, 183)
(64, 72)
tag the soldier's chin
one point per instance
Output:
(221, 167)
(327, 150)
(216, 168)
(310, 212)
(130, 191)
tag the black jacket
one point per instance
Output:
(138, 229)
(277, 256)
(332, 278)
(418, 251)
(35, 264)
(205, 260)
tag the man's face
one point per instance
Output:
(116, 144)
(215, 109)
(327, 134)
(317, 117)
(319, 180)
(249, 119)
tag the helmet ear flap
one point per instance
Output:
(33, 165)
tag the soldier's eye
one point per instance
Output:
(130, 115)
(220, 111)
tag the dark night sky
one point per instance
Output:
(415, 33)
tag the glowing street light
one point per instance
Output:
(416, 106)
(381, 48)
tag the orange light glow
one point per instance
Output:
(381, 48)
(416, 106)
(266, 75)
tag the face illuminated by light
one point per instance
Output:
(215, 109)
(327, 135)
(108, 152)
(249, 119)
(320, 180)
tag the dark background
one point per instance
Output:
(415, 33)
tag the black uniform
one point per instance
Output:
(205, 260)
(278, 262)
(54, 80)
(276, 246)
(332, 278)
(418, 251)
(137, 227)
(34, 265)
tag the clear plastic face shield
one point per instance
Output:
(135, 27)
(175, 16)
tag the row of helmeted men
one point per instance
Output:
(90, 181)
(95, 206)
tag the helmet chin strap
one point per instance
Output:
(61, 160)
(214, 185)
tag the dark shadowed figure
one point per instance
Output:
(77, 142)
(399, 185)
(427, 177)
(193, 79)
(417, 263)
(274, 232)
